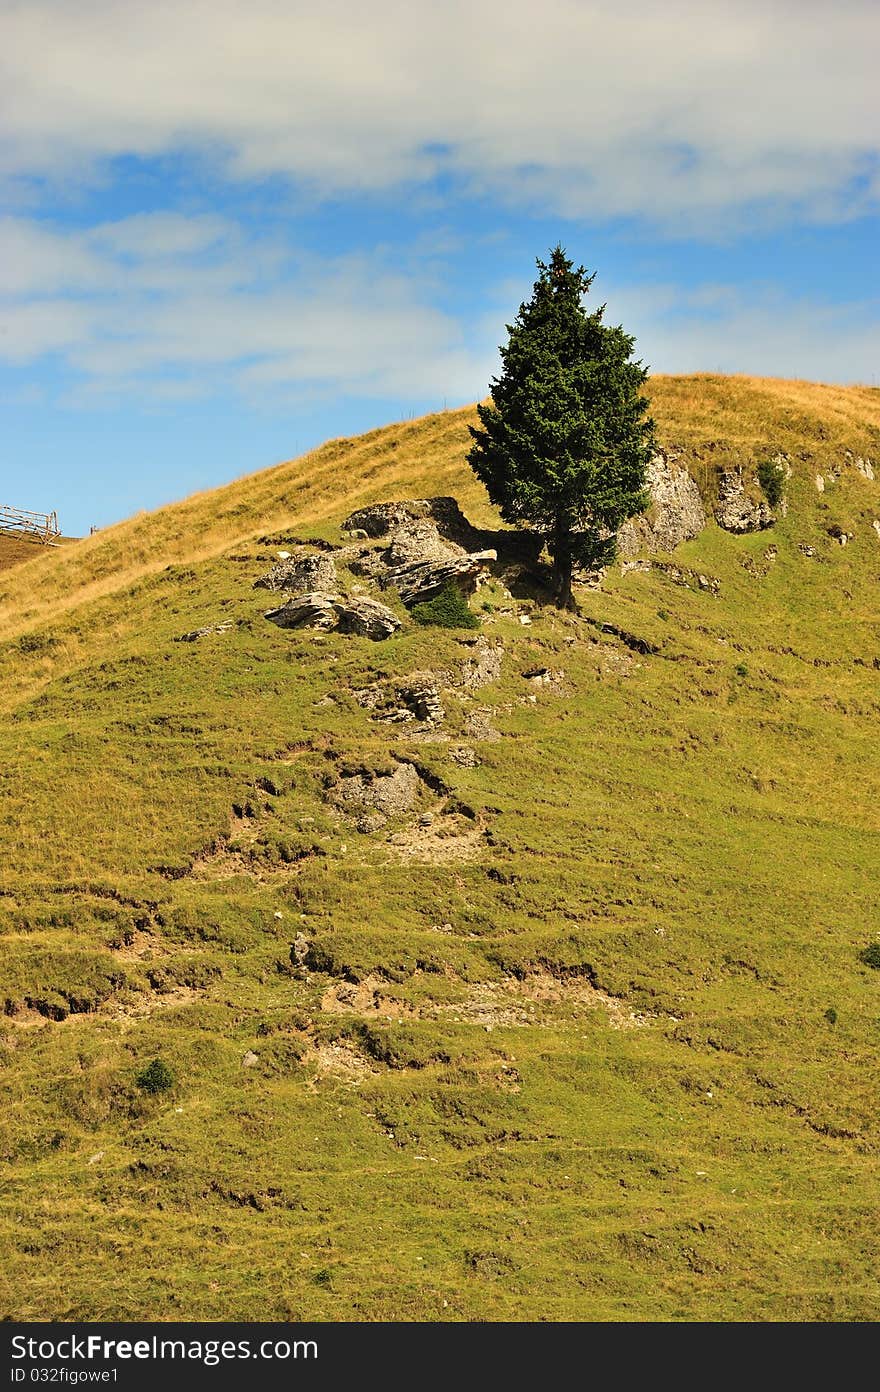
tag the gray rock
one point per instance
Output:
(419, 541)
(418, 699)
(250, 1059)
(195, 634)
(737, 510)
(676, 511)
(690, 579)
(483, 665)
(372, 798)
(422, 580)
(318, 611)
(382, 519)
(367, 618)
(464, 756)
(325, 612)
(300, 575)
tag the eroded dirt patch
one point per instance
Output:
(338, 1060)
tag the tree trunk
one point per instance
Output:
(562, 567)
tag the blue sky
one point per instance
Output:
(228, 232)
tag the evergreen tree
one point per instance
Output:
(565, 441)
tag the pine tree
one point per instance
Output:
(565, 441)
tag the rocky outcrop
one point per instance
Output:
(386, 519)
(325, 612)
(418, 698)
(425, 550)
(482, 664)
(300, 575)
(422, 580)
(738, 510)
(196, 633)
(863, 466)
(371, 799)
(675, 513)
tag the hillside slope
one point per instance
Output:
(586, 1029)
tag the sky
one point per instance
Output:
(231, 231)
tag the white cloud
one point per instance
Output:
(750, 329)
(129, 307)
(153, 308)
(686, 112)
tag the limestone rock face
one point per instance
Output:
(676, 512)
(307, 611)
(736, 510)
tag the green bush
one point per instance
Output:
(871, 955)
(771, 479)
(831, 1015)
(156, 1077)
(448, 609)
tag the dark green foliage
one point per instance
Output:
(831, 1015)
(871, 955)
(564, 445)
(36, 642)
(772, 481)
(448, 609)
(156, 1077)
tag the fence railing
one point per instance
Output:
(43, 526)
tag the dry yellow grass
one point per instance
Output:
(738, 415)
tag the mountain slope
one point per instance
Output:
(582, 1031)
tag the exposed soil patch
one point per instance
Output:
(448, 838)
(140, 946)
(338, 1060)
(149, 1004)
(365, 997)
(514, 1002)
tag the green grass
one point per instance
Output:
(600, 1045)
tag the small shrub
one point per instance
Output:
(156, 1077)
(36, 642)
(871, 955)
(741, 669)
(772, 480)
(831, 1015)
(448, 609)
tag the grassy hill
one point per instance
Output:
(596, 1041)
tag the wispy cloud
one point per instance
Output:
(128, 304)
(165, 307)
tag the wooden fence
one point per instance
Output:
(42, 526)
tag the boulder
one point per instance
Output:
(307, 611)
(382, 519)
(372, 798)
(675, 514)
(367, 618)
(325, 612)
